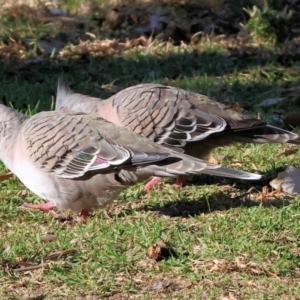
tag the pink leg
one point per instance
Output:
(180, 181)
(150, 184)
(47, 207)
(63, 109)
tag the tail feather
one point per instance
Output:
(192, 165)
(268, 134)
(232, 173)
(171, 171)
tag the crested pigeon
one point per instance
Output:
(81, 162)
(181, 120)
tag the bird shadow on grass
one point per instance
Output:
(218, 202)
(187, 208)
(222, 201)
(245, 194)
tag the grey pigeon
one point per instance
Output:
(181, 120)
(81, 162)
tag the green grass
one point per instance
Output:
(229, 241)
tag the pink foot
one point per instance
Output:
(63, 109)
(47, 207)
(150, 184)
(180, 181)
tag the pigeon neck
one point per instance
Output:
(100, 107)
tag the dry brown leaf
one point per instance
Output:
(265, 194)
(254, 268)
(240, 264)
(250, 267)
(6, 176)
(216, 264)
(49, 238)
(288, 180)
(31, 268)
(159, 251)
(220, 265)
(58, 254)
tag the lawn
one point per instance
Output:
(225, 239)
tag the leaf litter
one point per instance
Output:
(239, 264)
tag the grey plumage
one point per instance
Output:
(175, 118)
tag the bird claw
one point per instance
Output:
(46, 207)
(150, 184)
(49, 207)
(180, 182)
